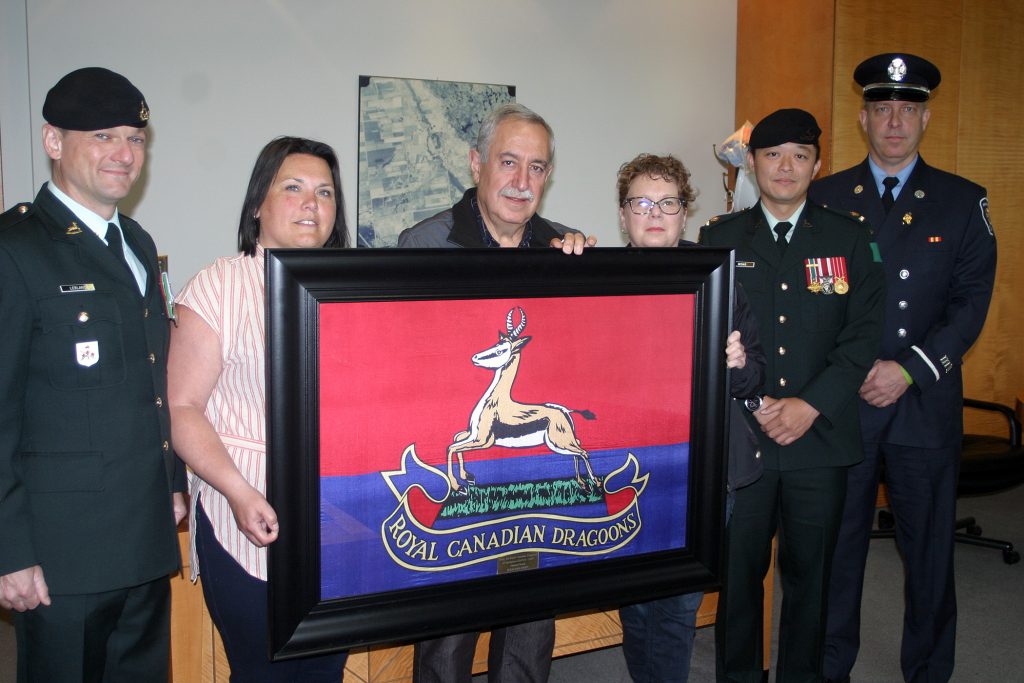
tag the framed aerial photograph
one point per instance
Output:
(414, 142)
(460, 439)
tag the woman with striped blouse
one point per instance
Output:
(217, 392)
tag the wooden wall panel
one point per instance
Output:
(784, 59)
(922, 27)
(991, 152)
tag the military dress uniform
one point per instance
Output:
(819, 311)
(939, 255)
(86, 464)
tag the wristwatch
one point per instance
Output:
(754, 402)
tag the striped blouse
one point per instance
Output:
(228, 296)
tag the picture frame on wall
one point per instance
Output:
(414, 142)
(463, 439)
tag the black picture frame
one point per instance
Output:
(297, 283)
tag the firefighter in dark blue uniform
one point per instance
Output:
(939, 255)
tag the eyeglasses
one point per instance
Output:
(642, 206)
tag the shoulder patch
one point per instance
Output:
(983, 205)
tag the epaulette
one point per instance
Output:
(721, 219)
(849, 215)
(16, 214)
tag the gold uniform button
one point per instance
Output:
(159, 402)
(83, 317)
(152, 358)
(166, 446)
(782, 319)
(782, 350)
(22, 209)
(784, 286)
(782, 381)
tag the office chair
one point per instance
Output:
(988, 464)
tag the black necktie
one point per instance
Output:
(116, 246)
(780, 235)
(887, 197)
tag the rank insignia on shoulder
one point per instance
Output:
(73, 229)
(745, 264)
(827, 275)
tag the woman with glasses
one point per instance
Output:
(654, 193)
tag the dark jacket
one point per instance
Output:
(458, 227)
(821, 345)
(745, 462)
(86, 465)
(939, 255)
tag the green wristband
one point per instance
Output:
(906, 375)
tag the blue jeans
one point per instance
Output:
(657, 638)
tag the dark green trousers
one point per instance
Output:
(805, 507)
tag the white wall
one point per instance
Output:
(222, 77)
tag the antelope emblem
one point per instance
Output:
(499, 419)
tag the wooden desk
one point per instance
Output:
(197, 654)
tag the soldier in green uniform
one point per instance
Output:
(87, 514)
(817, 290)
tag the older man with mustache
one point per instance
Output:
(511, 164)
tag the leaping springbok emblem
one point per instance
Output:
(499, 419)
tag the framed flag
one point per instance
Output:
(460, 439)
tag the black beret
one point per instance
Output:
(782, 126)
(897, 76)
(94, 98)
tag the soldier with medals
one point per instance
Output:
(87, 515)
(820, 339)
(939, 255)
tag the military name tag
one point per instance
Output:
(74, 289)
(87, 353)
(745, 264)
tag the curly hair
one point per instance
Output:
(664, 167)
